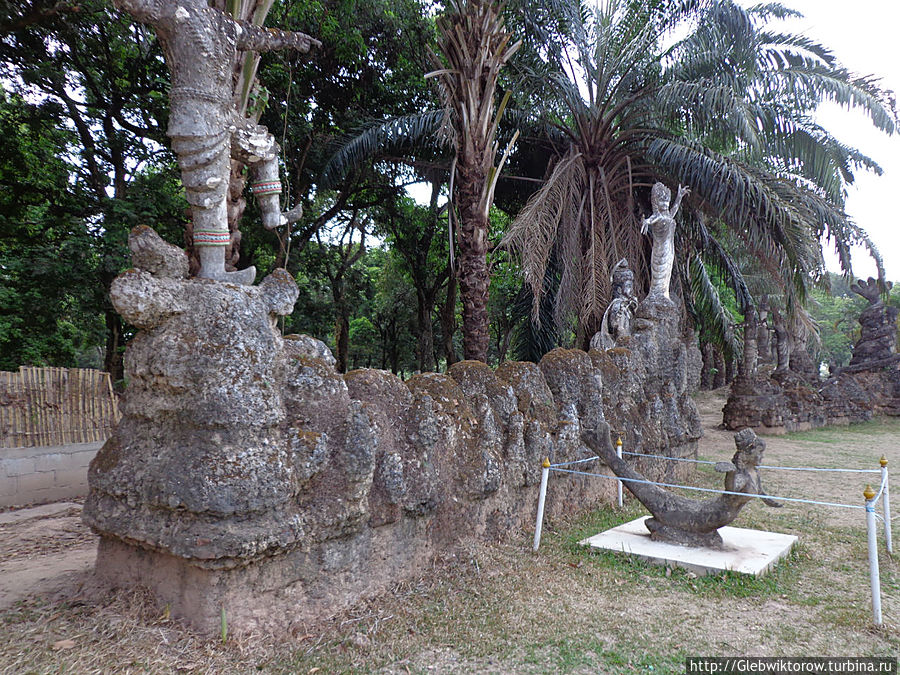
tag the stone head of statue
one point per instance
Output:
(750, 449)
(660, 197)
(623, 281)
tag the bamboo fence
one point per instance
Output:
(55, 406)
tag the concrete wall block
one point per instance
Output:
(72, 478)
(62, 461)
(9, 486)
(18, 466)
(34, 483)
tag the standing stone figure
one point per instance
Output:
(783, 344)
(763, 340)
(617, 317)
(662, 226)
(200, 43)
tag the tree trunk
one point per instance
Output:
(719, 374)
(729, 370)
(448, 321)
(342, 340)
(112, 362)
(425, 345)
(748, 364)
(706, 373)
(472, 273)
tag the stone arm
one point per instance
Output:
(650, 220)
(143, 11)
(258, 39)
(682, 191)
(868, 289)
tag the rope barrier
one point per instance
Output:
(761, 466)
(812, 468)
(880, 491)
(673, 459)
(701, 489)
(577, 461)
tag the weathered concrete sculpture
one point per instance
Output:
(248, 476)
(662, 226)
(617, 318)
(207, 131)
(763, 337)
(681, 520)
(783, 344)
(878, 326)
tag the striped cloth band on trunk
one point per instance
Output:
(265, 187)
(212, 238)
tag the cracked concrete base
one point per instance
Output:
(746, 551)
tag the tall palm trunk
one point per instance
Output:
(474, 47)
(472, 271)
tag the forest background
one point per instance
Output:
(84, 158)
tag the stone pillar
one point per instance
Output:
(762, 333)
(782, 346)
(748, 364)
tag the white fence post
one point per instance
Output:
(871, 529)
(545, 474)
(619, 482)
(886, 496)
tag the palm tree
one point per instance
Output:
(725, 110)
(472, 48)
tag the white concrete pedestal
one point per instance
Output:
(746, 551)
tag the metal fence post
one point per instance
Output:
(886, 496)
(619, 482)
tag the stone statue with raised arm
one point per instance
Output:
(200, 44)
(662, 227)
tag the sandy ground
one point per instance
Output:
(47, 551)
(44, 551)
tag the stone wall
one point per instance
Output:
(248, 474)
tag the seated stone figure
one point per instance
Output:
(617, 317)
(680, 520)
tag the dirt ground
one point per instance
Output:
(591, 613)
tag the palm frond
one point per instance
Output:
(396, 136)
(714, 320)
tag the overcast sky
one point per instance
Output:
(865, 36)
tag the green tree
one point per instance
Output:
(102, 81)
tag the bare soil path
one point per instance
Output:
(44, 551)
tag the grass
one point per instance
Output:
(830, 435)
